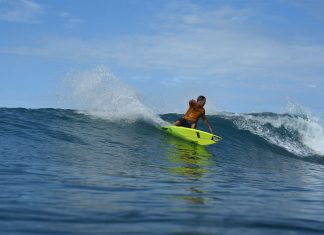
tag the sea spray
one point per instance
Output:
(100, 93)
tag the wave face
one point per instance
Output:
(71, 172)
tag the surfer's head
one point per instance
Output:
(201, 100)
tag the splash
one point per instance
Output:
(100, 93)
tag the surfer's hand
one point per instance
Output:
(192, 102)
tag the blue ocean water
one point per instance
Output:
(69, 172)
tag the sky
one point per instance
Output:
(244, 56)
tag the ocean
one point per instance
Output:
(66, 171)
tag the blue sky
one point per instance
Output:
(245, 56)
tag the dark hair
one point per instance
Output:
(201, 97)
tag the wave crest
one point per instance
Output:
(299, 134)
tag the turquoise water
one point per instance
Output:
(66, 172)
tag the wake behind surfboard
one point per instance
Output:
(192, 135)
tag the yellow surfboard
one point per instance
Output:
(192, 135)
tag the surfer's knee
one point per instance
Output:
(177, 123)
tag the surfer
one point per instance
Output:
(194, 112)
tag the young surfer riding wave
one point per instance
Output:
(194, 112)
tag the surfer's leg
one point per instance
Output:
(193, 125)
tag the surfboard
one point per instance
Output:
(192, 135)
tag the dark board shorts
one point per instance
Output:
(185, 123)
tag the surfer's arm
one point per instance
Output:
(203, 116)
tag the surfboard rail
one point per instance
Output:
(192, 135)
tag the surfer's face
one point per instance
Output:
(201, 102)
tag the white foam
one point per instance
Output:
(100, 93)
(305, 133)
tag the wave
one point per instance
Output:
(300, 135)
(298, 132)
